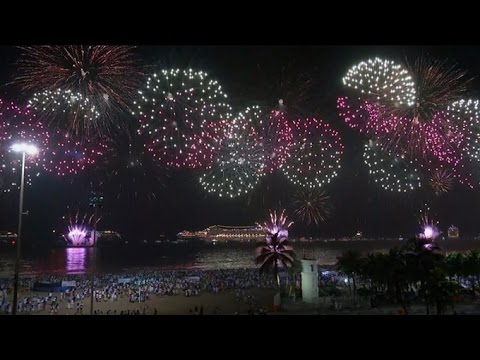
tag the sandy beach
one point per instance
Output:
(224, 303)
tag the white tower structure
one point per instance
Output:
(309, 281)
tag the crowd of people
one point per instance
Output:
(136, 287)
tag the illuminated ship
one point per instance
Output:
(453, 232)
(358, 235)
(109, 238)
(218, 233)
(7, 238)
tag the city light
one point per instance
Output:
(29, 149)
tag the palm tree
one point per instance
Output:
(374, 269)
(471, 267)
(427, 270)
(454, 263)
(438, 291)
(351, 263)
(275, 252)
(397, 271)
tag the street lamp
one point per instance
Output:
(96, 201)
(29, 149)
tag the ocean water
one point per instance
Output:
(186, 256)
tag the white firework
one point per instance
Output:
(391, 172)
(315, 154)
(60, 104)
(466, 115)
(239, 160)
(174, 110)
(382, 80)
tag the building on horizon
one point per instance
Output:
(225, 233)
(358, 235)
(453, 232)
(109, 238)
(79, 238)
(8, 238)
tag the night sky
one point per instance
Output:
(251, 75)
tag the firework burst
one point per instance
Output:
(277, 226)
(441, 181)
(416, 125)
(274, 135)
(424, 144)
(438, 84)
(175, 110)
(316, 154)
(392, 173)
(67, 109)
(429, 227)
(424, 141)
(102, 77)
(71, 155)
(311, 206)
(19, 125)
(365, 116)
(382, 80)
(466, 113)
(239, 160)
(80, 229)
(465, 116)
(356, 113)
(426, 128)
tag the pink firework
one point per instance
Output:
(424, 141)
(277, 226)
(19, 124)
(80, 230)
(275, 252)
(205, 145)
(356, 113)
(316, 154)
(430, 231)
(365, 116)
(271, 131)
(71, 156)
(77, 236)
(421, 142)
(407, 111)
(276, 137)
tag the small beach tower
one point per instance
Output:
(309, 280)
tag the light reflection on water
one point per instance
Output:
(179, 256)
(188, 256)
(76, 260)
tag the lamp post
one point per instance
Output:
(29, 149)
(92, 279)
(95, 201)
